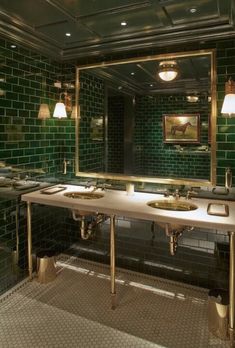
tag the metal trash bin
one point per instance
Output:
(46, 270)
(218, 307)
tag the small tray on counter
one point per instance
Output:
(218, 209)
(52, 190)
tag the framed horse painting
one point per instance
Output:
(179, 129)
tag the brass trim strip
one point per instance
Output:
(29, 233)
(112, 261)
(232, 285)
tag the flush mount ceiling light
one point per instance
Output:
(193, 10)
(123, 23)
(168, 70)
(228, 106)
(68, 34)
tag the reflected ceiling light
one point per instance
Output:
(132, 73)
(44, 112)
(13, 46)
(192, 98)
(123, 23)
(168, 70)
(193, 10)
(68, 34)
(228, 106)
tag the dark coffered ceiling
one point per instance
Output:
(95, 25)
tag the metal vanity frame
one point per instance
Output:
(30, 199)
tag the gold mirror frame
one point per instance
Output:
(160, 180)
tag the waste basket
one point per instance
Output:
(46, 270)
(218, 306)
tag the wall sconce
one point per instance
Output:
(228, 106)
(192, 98)
(168, 70)
(60, 108)
(44, 112)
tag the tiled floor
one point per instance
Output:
(74, 311)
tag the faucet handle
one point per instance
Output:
(190, 192)
(176, 194)
(103, 186)
(166, 193)
(228, 178)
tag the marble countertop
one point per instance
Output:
(116, 202)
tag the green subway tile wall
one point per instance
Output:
(226, 126)
(116, 134)
(27, 80)
(158, 159)
(92, 104)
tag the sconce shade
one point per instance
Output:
(74, 112)
(60, 111)
(44, 112)
(228, 106)
(168, 70)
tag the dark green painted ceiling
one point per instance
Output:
(95, 25)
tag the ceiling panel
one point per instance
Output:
(92, 7)
(142, 77)
(33, 13)
(57, 32)
(95, 24)
(180, 11)
(137, 20)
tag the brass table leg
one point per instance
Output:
(29, 232)
(112, 261)
(232, 287)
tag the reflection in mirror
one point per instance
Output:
(133, 124)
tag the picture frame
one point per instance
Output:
(181, 128)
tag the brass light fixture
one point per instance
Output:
(60, 108)
(168, 70)
(228, 106)
(192, 98)
(43, 112)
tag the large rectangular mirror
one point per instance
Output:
(134, 125)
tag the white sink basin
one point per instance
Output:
(174, 205)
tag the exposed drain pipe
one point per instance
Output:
(87, 228)
(174, 235)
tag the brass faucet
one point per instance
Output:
(65, 163)
(228, 178)
(176, 194)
